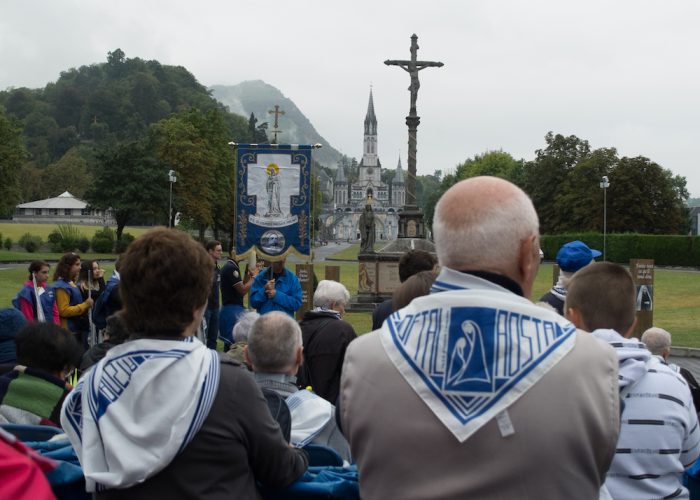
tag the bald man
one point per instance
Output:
(473, 391)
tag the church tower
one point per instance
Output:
(370, 172)
(398, 187)
(340, 187)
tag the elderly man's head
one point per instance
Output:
(488, 224)
(274, 344)
(331, 295)
(245, 322)
(658, 341)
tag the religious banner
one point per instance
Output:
(273, 200)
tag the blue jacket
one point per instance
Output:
(288, 296)
(47, 300)
(11, 321)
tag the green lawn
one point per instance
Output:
(676, 297)
(16, 231)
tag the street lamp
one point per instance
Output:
(604, 185)
(172, 178)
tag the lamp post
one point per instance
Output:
(604, 185)
(172, 178)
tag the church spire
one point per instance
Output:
(369, 155)
(340, 175)
(370, 118)
(398, 176)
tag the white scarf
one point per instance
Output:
(139, 407)
(310, 414)
(471, 350)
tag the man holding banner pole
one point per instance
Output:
(276, 289)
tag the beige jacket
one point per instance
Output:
(566, 428)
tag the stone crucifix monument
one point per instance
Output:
(378, 273)
(411, 219)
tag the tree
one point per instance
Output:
(130, 181)
(30, 182)
(579, 202)
(258, 133)
(493, 163)
(643, 197)
(181, 143)
(543, 177)
(70, 173)
(12, 155)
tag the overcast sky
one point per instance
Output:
(621, 74)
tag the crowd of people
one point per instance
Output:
(465, 388)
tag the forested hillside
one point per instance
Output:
(110, 132)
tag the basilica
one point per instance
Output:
(341, 217)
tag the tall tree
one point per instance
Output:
(645, 198)
(493, 163)
(182, 146)
(132, 182)
(543, 178)
(12, 155)
(579, 202)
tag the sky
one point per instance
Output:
(621, 74)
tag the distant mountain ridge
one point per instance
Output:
(258, 97)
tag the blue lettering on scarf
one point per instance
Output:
(471, 356)
(116, 376)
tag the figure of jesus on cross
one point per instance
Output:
(413, 67)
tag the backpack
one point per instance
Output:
(694, 386)
(100, 311)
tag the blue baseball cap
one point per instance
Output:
(575, 255)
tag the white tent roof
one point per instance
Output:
(63, 201)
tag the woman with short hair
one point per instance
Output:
(163, 416)
(325, 337)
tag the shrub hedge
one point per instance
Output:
(30, 242)
(103, 241)
(665, 250)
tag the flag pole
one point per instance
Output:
(39, 310)
(93, 334)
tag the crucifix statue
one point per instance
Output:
(413, 66)
(277, 112)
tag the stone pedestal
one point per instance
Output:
(411, 223)
(378, 272)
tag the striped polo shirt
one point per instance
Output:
(659, 435)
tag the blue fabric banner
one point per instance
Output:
(273, 200)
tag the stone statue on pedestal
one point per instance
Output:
(367, 233)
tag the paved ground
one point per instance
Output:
(692, 364)
(320, 253)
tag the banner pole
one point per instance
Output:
(314, 201)
(234, 146)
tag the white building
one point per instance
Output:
(349, 200)
(64, 208)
